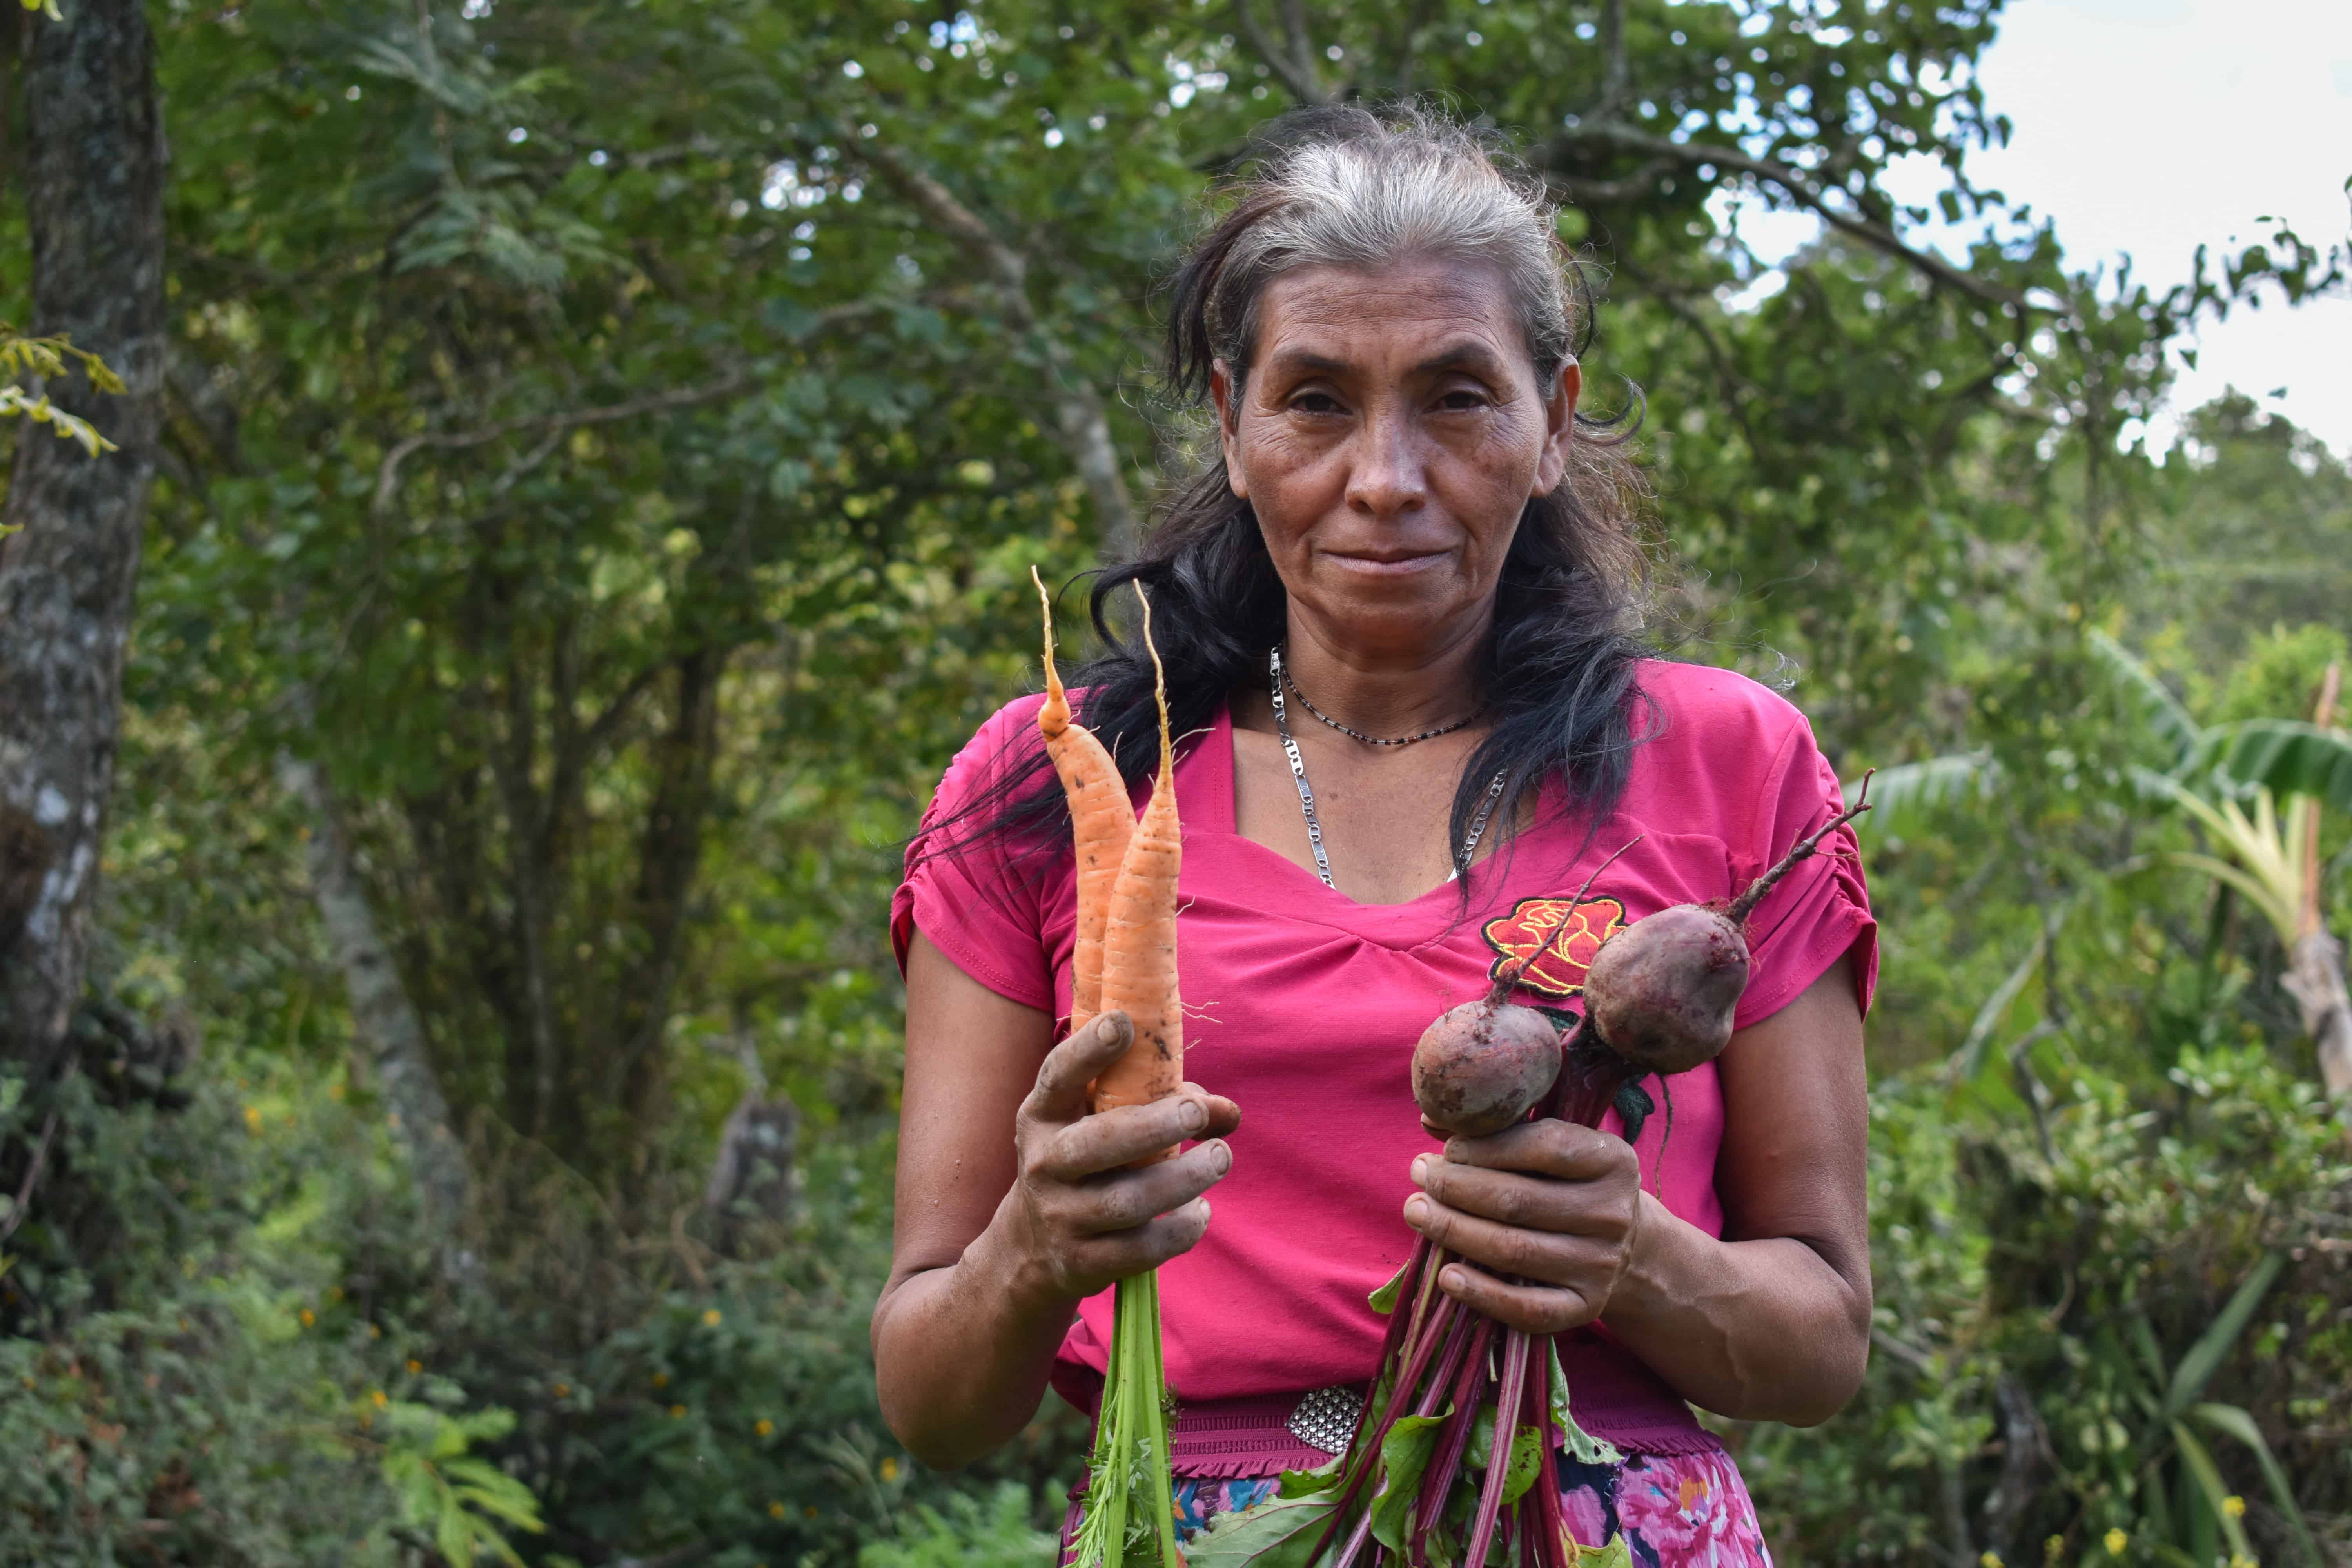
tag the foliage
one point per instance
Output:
(970, 1533)
(197, 1375)
(21, 355)
(2040, 1382)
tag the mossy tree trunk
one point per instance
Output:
(91, 169)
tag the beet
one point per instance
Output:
(1483, 1066)
(1661, 992)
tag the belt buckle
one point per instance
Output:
(1326, 1419)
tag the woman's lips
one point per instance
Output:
(1391, 565)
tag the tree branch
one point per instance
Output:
(1591, 193)
(1806, 193)
(1617, 74)
(382, 1015)
(1408, 49)
(1302, 48)
(1078, 408)
(1305, 89)
(387, 474)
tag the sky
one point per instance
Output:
(2148, 127)
(2145, 128)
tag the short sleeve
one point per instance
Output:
(979, 900)
(1821, 909)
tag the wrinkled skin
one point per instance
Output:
(1481, 1066)
(1661, 992)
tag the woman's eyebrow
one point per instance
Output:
(1307, 361)
(1471, 355)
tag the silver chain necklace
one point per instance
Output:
(1276, 679)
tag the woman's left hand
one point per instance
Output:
(1556, 1207)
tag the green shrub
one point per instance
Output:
(995, 1531)
(190, 1376)
(2036, 1306)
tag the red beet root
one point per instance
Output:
(1484, 1065)
(1661, 992)
(1481, 1065)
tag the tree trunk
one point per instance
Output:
(93, 182)
(382, 1014)
(2315, 978)
(2315, 975)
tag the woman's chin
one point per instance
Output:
(1403, 611)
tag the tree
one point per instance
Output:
(617, 442)
(93, 178)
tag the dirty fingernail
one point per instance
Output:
(1421, 1168)
(1416, 1208)
(1221, 1156)
(1194, 1116)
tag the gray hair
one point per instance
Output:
(1345, 187)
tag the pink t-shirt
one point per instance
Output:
(1302, 1006)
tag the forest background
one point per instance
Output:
(586, 460)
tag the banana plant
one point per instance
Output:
(2231, 780)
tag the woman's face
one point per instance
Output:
(1388, 437)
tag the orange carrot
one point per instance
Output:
(1102, 819)
(1139, 940)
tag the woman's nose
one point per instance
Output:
(1385, 474)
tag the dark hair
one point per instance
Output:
(1349, 187)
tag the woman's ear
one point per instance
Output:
(1223, 391)
(1559, 427)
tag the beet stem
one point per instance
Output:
(1449, 1327)
(1550, 1524)
(1453, 1442)
(1745, 905)
(1510, 975)
(1499, 1460)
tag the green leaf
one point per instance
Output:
(492, 1491)
(2212, 1347)
(1384, 1300)
(1576, 1442)
(1634, 1107)
(1278, 1533)
(1405, 1455)
(452, 1534)
(1902, 797)
(2169, 723)
(1972, 1057)
(2288, 756)
(2208, 1476)
(1524, 1461)
(2236, 1423)
(1307, 1483)
(1613, 1555)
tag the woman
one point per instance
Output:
(1412, 579)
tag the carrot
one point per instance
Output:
(1102, 820)
(1139, 937)
(1130, 1513)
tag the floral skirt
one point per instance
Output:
(1672, 1510)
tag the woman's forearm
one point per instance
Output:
(1759, 1330)
(962, 1353)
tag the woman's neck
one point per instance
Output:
(1386, 691)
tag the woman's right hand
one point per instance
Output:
(1076, 1219)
